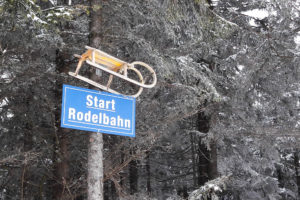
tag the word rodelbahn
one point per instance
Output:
(100, 118)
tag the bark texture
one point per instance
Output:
(95, 152)
(95, 167)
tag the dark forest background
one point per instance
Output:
(222, 123)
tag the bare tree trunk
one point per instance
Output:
(203, 153)
(95, 153)
(148, 173)
(193, 160)
(27, 147)
(133, 176)
(213, 164)
(95, 167)
(296, 162)
(203, 164)
(61, 170)
(61, 153)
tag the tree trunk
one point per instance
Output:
(133, 176)
(203, 164)
(203, 153)
(61, 166)
(213, 169)
(193, 160)
(95, 167)
(60, 140)
(27, 147)
(95, 153)
(148, 173)
(296, 162)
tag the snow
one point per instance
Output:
(257, 13)
(222, 114)
(295, 15)
(5, 76)
(42, 35)
(4, 102)
(61, 9)
(297, 40)
(297, 124)
(240, 67)
(184, 59)
(257, 104)
(298, 104)
(35, 18)
(60, 13)
(31, 2)
(287, 94)
(233, 9)
(215, 187)
(233, 56)
(285, 139)
(53, 2)
(9, 114)
(287, 157)
(282, 190)
(48, 161)
(259, 94)
(253, 23)
(214, 2)
(249, 140)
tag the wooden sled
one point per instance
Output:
(115, 67)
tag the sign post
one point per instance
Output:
(99, 112)
(96, 111)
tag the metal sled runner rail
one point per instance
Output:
(115, 67)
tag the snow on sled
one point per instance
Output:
(115, 67)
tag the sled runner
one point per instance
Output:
(115, 67)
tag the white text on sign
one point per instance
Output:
(92, 110)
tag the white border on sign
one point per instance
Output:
(85, 90)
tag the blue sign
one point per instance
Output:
(97, 111)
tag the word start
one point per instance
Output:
(99, 117)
